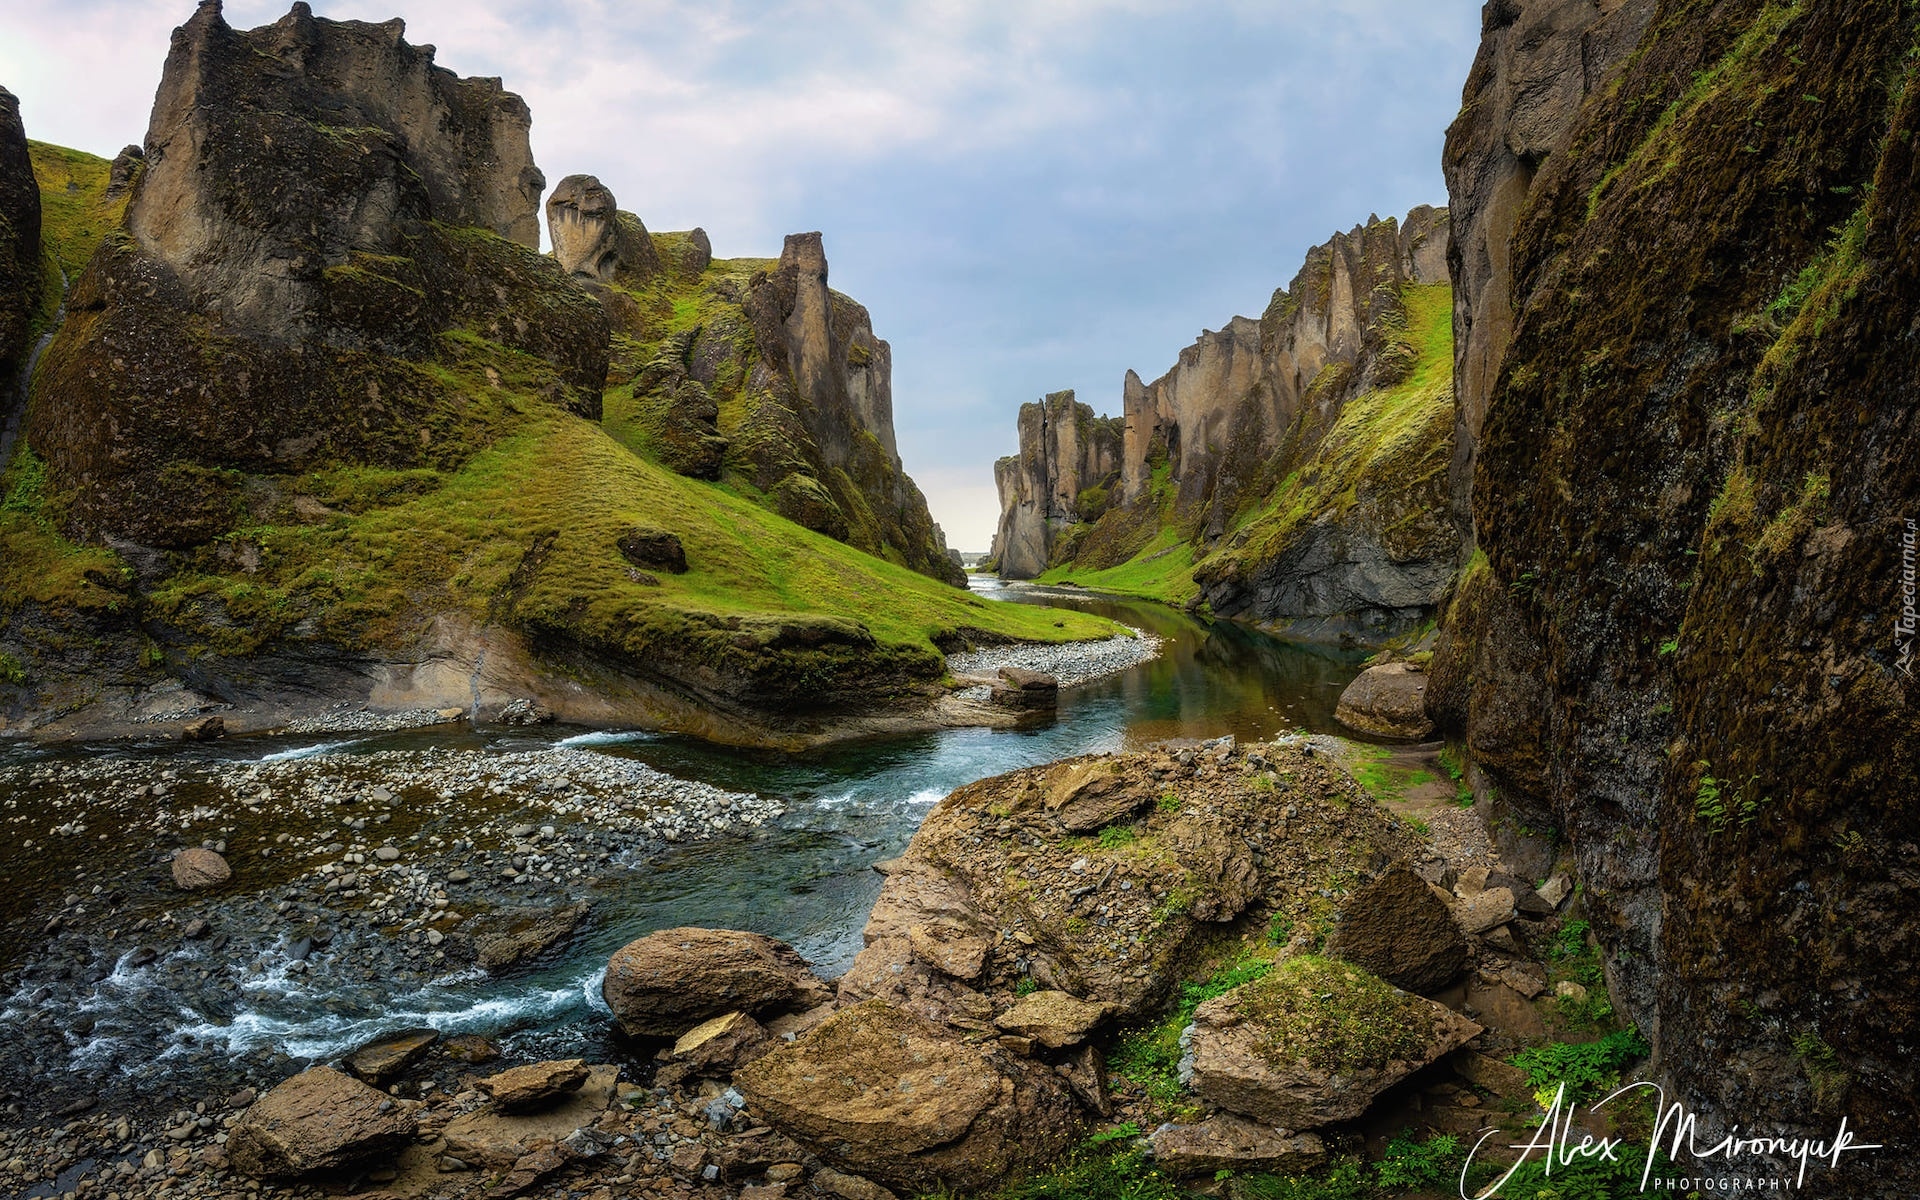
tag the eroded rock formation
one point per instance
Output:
(1066, 472)
(593, 239)
(320, 204)
(1301, 458)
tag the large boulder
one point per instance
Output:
(593, 239)
(883, 1093)
(1170, 844)
(1313, 1043)
(666, 983)
(1398, 927)
(1389, 700)
(319, 1120)
(1055, 1020)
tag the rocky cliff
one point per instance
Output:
(1066, 473)
(1687, 382)
(322, 424)
(19, 251)
(1286, 469)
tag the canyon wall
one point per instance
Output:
(19, 249)
(1290, 469)
(1687, 403)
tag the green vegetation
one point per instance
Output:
(74, 211)
(1453, 762)
(1821, 1063)
(1115, 836)
(1149, 1057)
(38, 564)
(1588, 1069)
(1162, 571)
(1108, 1166)
(1719, 802)
(1385, 780)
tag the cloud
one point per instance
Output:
(1027, 196)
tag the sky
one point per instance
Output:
(1027, 196)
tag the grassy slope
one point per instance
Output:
(370, 554)
(36, 563)
(1379, 433)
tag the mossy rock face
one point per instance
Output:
(802, 500)
(19, 244)
(1670, 391)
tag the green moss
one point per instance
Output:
(38, 564)
(1150, 1056)
(74, 211)
(1333, 1016)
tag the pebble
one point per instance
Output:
(1071, 663)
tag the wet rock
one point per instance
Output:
(666, 983)
(525, 712)
(196, 868)
(885, 1094)
(1397, 928)
(319, 1120)
(488, 1138)
(471, 1048)
(1226, 1142)
(509, 937)
(1313, 1043)
(1388, 700)
(1053, 1019)
(535, 1086)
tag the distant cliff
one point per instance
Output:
(323, 425)
(1287, 469)
(1688, 272)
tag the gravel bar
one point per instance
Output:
(1072, 663)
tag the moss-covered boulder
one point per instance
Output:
(1312, 1043)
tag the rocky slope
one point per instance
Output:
(1290, 469)
(322, 425)
(1688, 278)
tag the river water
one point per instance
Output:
(805, 876)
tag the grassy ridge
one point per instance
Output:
(523, 529)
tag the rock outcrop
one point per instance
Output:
(1066, 473)
(320, 204)
(1692, 481)
(19, 250)
(593, 239)
(1387, 700)
(1298, 461)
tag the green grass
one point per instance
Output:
(74, 213)
(1384, 780)
(407, 542)
(37, 564)
(1163, 571)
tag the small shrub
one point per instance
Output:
(1408, 1164)
(1115, 836)
(1027, 986)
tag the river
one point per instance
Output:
(244, 1004)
